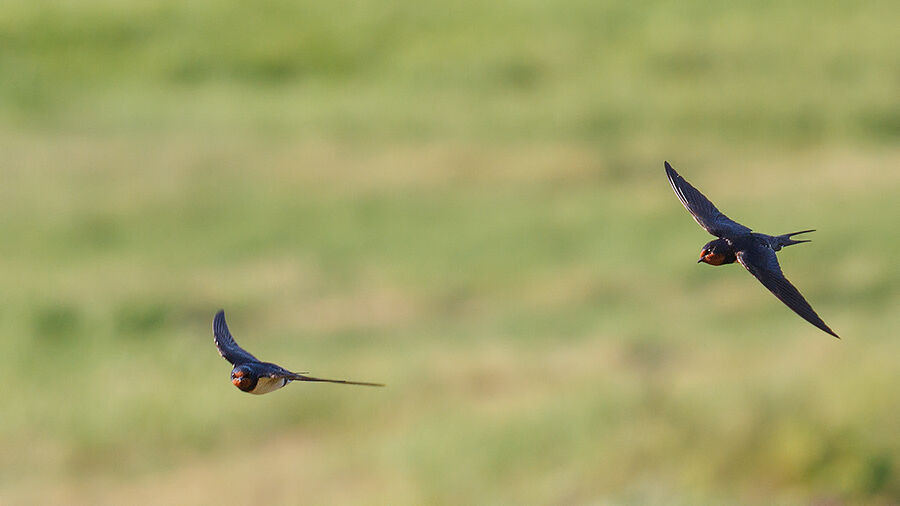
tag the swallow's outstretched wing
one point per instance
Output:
(276, 371)
(761, 262)
(703, 211)
(225, 343)
(302, 377)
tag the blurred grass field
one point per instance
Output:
(464, 201)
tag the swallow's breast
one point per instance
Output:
(266, 385)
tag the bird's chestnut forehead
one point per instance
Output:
(237, 373)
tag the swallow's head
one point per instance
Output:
(242, 377)
(717, 252)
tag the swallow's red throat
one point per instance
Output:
(714, 259)
(237, 377)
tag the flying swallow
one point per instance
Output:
(755, 251)
(254, 376)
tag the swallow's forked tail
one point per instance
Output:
(785, 239)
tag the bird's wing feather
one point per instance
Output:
(302, 377)
(273, 370)
(276, 371)
(226, 345)
(763, 264)
(704, 212)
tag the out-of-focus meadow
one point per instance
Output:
(466, 201)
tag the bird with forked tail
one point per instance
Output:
(737, 243)
(254, 376)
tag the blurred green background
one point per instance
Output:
(466, 201)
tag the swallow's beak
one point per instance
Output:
(701, 259)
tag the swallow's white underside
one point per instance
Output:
(266, 385)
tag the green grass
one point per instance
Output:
(466, 202)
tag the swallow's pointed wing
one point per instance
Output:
(276, 371)
(762, 263)
(225, 343)
(301, 377)
(703, 211)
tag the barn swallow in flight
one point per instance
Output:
(256, 377)
(755, 251)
